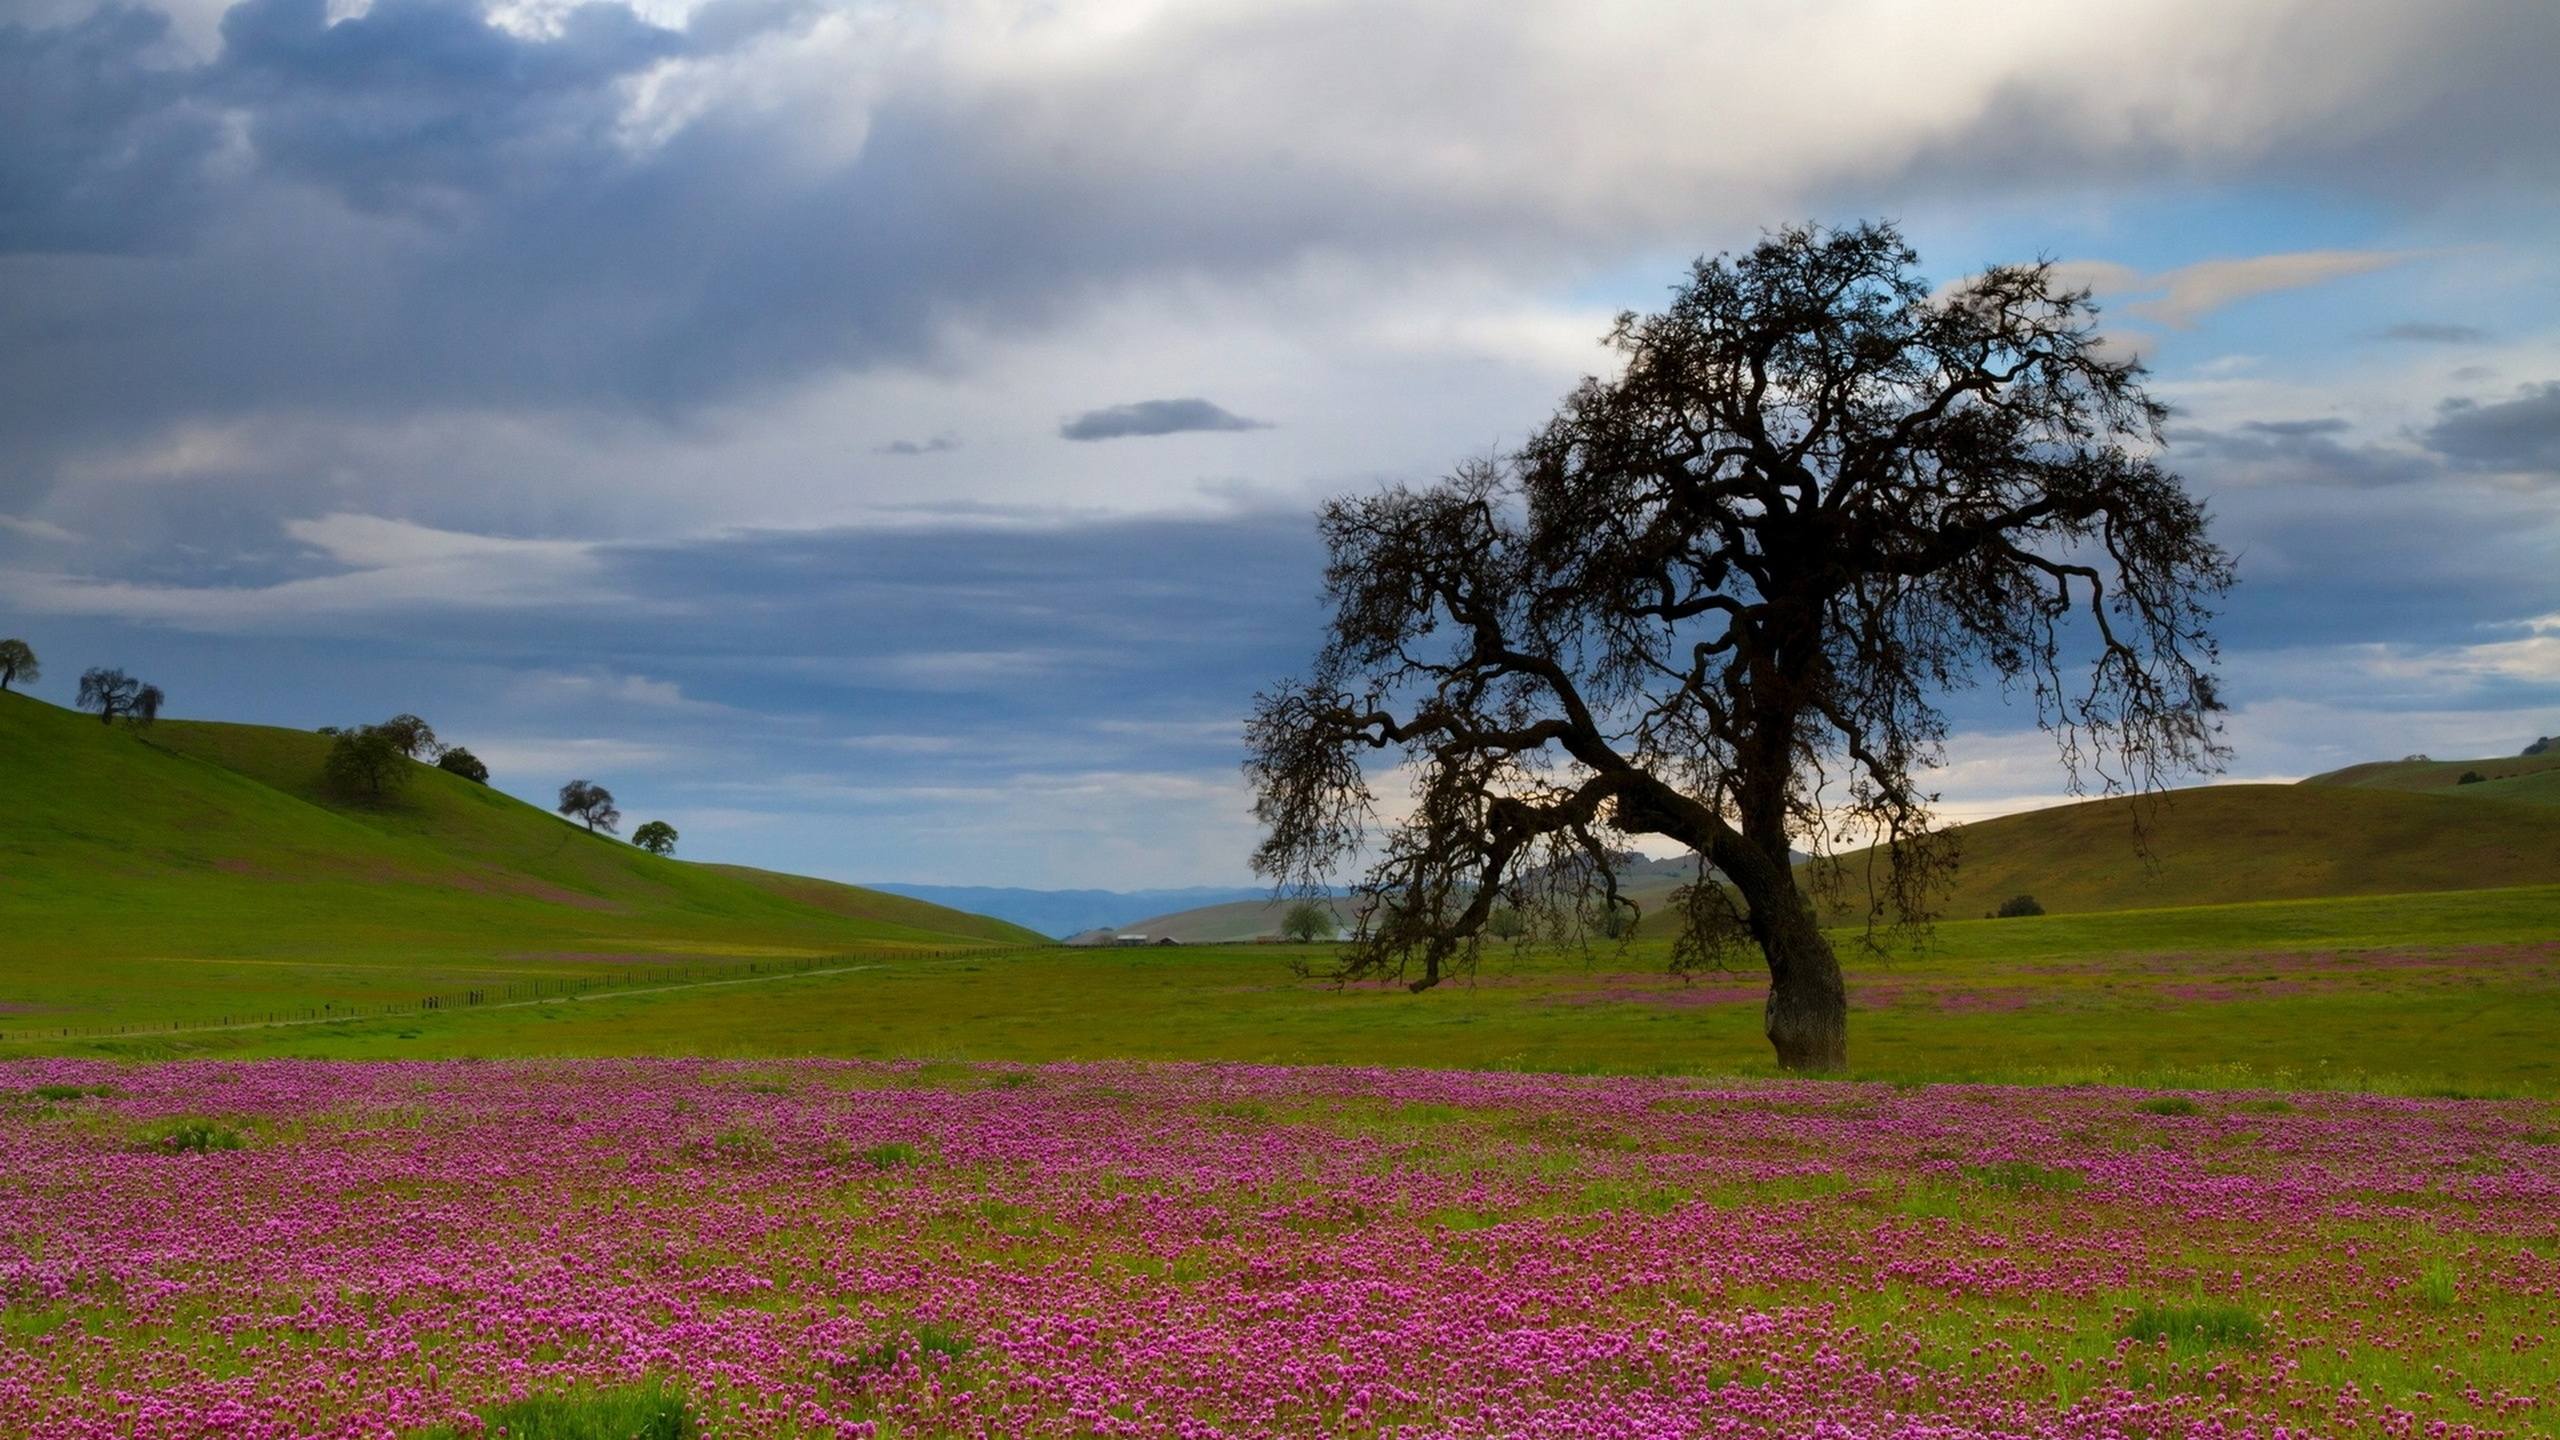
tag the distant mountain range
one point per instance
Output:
(1061, 913)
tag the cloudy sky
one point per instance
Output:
(881, 439)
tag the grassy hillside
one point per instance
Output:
(2533, 779)
(2227, 844)
(199, 848)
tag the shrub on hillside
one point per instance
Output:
(458, 761)
(2019, 905)
(2471, 777)
(366, 762)
(2543, 746)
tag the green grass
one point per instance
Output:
(196, 873)
(206, 867)
(2195, 1328)
(2441, 993)
(2528, 779)
(2231, 844)
(642, 1412)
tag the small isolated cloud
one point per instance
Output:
(2433, 332)
(610, 688)
(2330, 425)
(1155, 417)
(938, 445)
(2191, 292)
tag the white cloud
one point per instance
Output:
(611, 689)
(2191, 292)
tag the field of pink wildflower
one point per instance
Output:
(842, 1249)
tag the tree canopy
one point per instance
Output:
(415, 737)
(657, 837)
(116, 695)
(458, 761)
(366, 761)
(591, 804)
(1308, 921)
(1715, 598)
(17, 662)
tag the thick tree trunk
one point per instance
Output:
(1807, 1017)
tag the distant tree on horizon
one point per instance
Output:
(366, 761)
(17, 662)
(657, 837)
(116, 695)
(2542, 746)
(415, 737)
(586, 801)
(1308, 922)
(1716, 599)
(458, 761)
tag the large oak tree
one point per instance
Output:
(1716, 600)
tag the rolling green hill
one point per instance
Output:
(2533, 779)
(199, 849)
(2225, 844)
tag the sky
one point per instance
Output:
(882, 439)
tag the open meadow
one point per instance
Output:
(443, 1118)
(2454, 993)
(849, 1249)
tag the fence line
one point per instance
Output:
(513, 992)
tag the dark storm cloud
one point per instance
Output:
(1155, 417)
(424, 210)
(2263, 453)
(2433, 332)
(419, 106)
(2517, 434)
(100, 149)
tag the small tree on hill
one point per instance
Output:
(118, 696)
(415, 737)
(2019, 906)
(458, 761)
(17, 662)
(366, 761)
(586, 801)
(657, 837)
(1307, 922)
(2542, 746)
